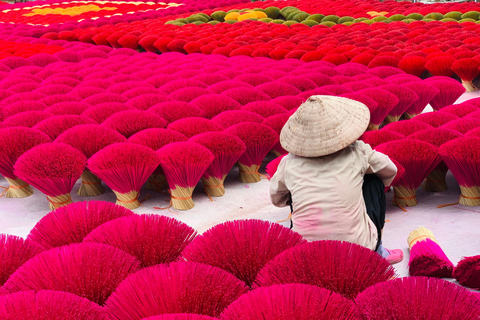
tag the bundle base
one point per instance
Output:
(128, 200)
(91, 185)
(249, 174)
(470, 196)
(373, 127)
(213, 186)
(391, 119)
(157, 182)
(59, 201)
(409, 116)
(435, 181)
(404, 197)
(17, 189)
(468, 85)
(182, 198)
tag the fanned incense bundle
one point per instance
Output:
(428, 299)
(52, 168)
(436, 119)
(220, 87)
(70, 107)
(14, 142)
(375, 138)
(441, 66)
(146, 101)
(16, 107)
(226, 149)
(132, 121)
(426, 257)
(256, 242)
(245, 95)
(233, 117)
(182, 287)
(276, 122)
(48, 304)
(259, 140)
(406, 98)
(384, 71)
(176, 110)
(342, 267)
(435, 181)
(291, 301)
(386, 102)
(214, 104)
(55, 126)
(89, 139)
(89, 270)
(462, 125)
(450, 91)
(407, 127)
(467, 69)
(184, 163)
(413, 65)
(26, 119)
(15, 251)
(103, 111)
(180, 316)
(152, 239)
(460, 110)
(155, 139)
(192, 126)
(418, 158)
(425, 93)
(264, 108)
(467, 272)
(462, 158)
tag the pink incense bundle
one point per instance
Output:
(407, 127)
(450, 91)
(176, 110)
(55, 126)
(89, 139)
(101, 112)
(146, 101)
(124, 167)
(14, 108)
(441, 66)
(174, 85)
(467, 69)
(301, 83)
(233, 117)
(385, 100)
(406, 98)
(15, 251)
(435, 181)
(180, 316)
(188, 94)
(226, 149)
(291, 301)
(180, 287)
(220, 87)
(155, 139)
(132, 121)
(69, 107)
(467, 272)
(89, 270)
(473, 133)
(462, 158)
(426, 257)
(14, 142)
(436, 119)
(272, 166)
(462, 125)
(245, 95)
(418, 158)
(259, 140)
(257, 242)
(184, 163)
(342, 267)
(52, 168)
(460, 110)
(152, 239)
(72, 223)
(276, 122)
(26, 119)
(425, 93)
(375, 138)
(214, 104)
(104, 98)
(192, 126)
(278, 88)
(428, 299)
(384, 71)
(48, 304)
(357, 86)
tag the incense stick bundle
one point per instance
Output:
(467, 272)
(460, 110)
(450, 91)
(226, 149)
(176, 110)
(89, 139)
(272, 166)
(233, 117)
(425, 93)
(101, 112)
(184, 163)
(436, 119)
(467, 69)
(132, 121)
(259, 140)
(406, 98)
(426, 257)
(52, 168)
(276, 122)
(192, 126)
(14, 142)
(375, 138)
(386, 102)
(124, 167)
(462, 125)
(407, 127)
(55, 126)
(26, 119)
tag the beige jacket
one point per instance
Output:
(327, 193)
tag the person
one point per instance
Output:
(334, 183)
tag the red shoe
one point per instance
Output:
(395, 256)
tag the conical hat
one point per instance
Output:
(323, 125)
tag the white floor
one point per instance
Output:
(457, 228)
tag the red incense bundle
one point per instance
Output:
(192, 126)
(152, 239)
(188, 94)
(407, 127)
(473, 133)
(467, 69)
(345, 268)
(132, 121)
(226, 149)
(101, 112)
(384, 71)
(89, 139)
(102, 269)
(70, 107)
(425, 93)
(460, 110)
(278, 88)
(436, 119)
(467, 272)
(462, 158)
(450, 91)
(214, 104)
(245, 95)
(14, 108)
(413, 65)
(124, 167)
(445, 300)
(14, 142)
(462, 125)
(52, 168)
(172, 86)
(180, 316)
(441, 66)
(55, 126)
(176, 110)
(418, 158)
(220, 87)
(426, 257)
(291, 301)
(375, 138)
(233, 117)
(385, 100)
(26, 119)
(435, 181)
(276, 122)
(264, 108)
(184, 163)
(259, 140)
(288, 102)
(146, 101)
(406, 98)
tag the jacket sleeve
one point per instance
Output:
(381, 165)
(279, 194)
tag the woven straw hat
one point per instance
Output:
(323, 125)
